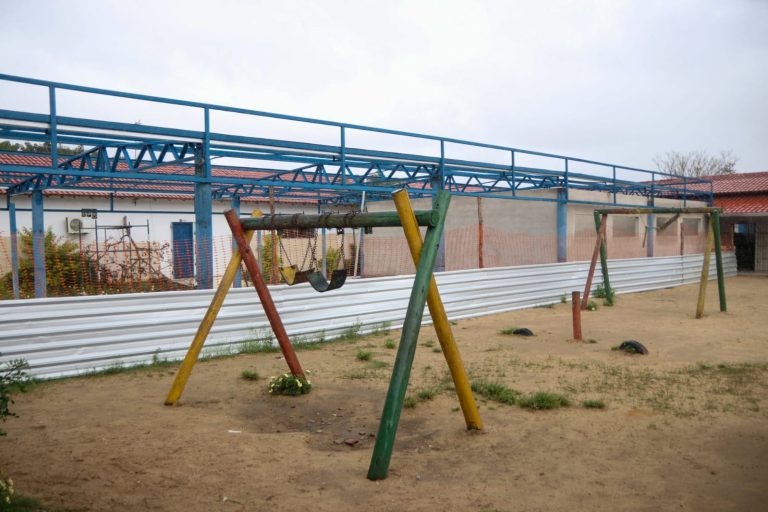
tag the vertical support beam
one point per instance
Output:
(715, 221)
(238, 279)
(480, 234)
(439, 316)
(562, 225)
(393, 405)
(184, 371)
(593, 264)
(604, 257)
(204, 212)
(343, 155)
(38, 244)
(246, 253)
(14, 249)
(436, 182)
(650, 231)
(705, 269)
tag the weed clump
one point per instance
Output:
(250, 375)
(593, 404)
(496, 392)
(544, 400)
(287, 384)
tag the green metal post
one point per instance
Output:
(715, 220)
(393, 405)
(604, 261)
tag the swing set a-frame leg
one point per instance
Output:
(184, 371)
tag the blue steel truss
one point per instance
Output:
(153, 159)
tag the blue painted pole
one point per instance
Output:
(237, 283)
(53, 130)
(562, 225)
(650, 230)
(14, 250)
(204, 213)
(38, 244)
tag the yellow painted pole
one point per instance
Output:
(439, 317)
(705, 269)
(184, 371)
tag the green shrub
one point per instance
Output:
(12, 378)
(287, 384)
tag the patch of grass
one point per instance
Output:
(543, 400)
(495, 391)
(437, 350)
(377, 365)
(250, 375)
(362, 355)
(592, 306)
(429, 343)
(563, 299)
(27, 504)
(409, 402)
(351, 333)
(390, 343)
(426, 394)
(358, 375)
(509, 331)
(593, 404)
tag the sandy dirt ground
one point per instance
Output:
(684, 428)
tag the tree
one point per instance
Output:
(45, 147)
(696, 163)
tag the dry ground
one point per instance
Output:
(684, 428)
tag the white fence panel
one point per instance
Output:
(73, 335)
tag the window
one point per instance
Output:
(691, 227)
(669, 230)
(624, 226)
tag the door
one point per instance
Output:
(183, 250)
(744, 241)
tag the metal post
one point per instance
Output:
(14, 250)
(650, 231)
(38, 244)
(393, 405)
(715, 219)
(204, 213)
(360, 242)
(53, 127)
(562, 225)
(238, 280)
(437, 185)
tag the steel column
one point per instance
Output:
(203, 221)
(14, 250)
(38, 244)
(562, 225)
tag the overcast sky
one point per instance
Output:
(607, 80)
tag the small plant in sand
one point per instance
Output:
(6, 492)
(12, 378)
(592, 305)
(250, 375)
(543, 400)
(287, 384)
(362, 355)
(390, 343)
(593, 404)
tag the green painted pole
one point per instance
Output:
(715, 219)
(398, 384)
(604, 259)
(335, 220)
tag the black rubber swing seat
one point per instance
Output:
(321, 284)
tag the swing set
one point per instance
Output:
(424, 290)
(712, 215)
(293, 274)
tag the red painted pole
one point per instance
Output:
(576, 315)
(264, 296)
(593, 263)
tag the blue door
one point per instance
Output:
(183, 250)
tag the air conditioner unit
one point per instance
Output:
(77, 226)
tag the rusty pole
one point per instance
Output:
(575, 303)
(264, 296)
